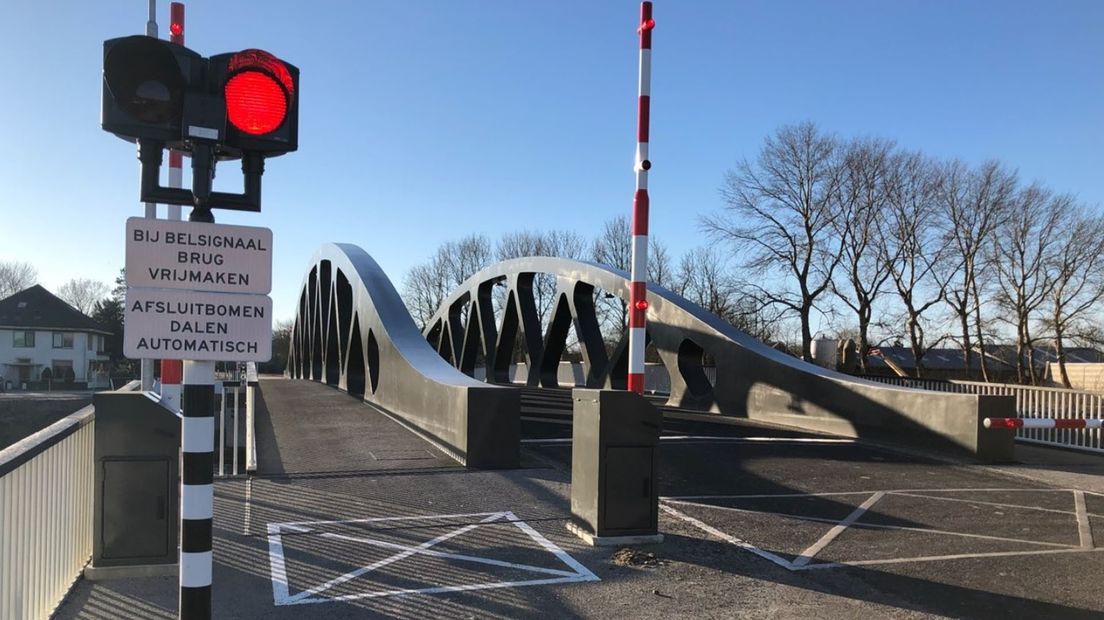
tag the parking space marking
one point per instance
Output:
(869, 491)
(705, 527)
(438, 554)
(804, 560)
(1084, 530)
(281, 590)
(981, 503)
(815, 548)
(940, 558)
(871, 526)
(696, 439)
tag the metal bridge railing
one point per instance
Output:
(46, 486)
(1032, 402)
(45, 515)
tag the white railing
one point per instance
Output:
(1032, 402)
(230, 399)
(250, 424)
(45, 515)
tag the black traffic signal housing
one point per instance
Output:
(145, 83)
(261, 96)
(163, 95)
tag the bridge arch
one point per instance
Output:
(353, 331)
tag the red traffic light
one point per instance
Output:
(176, 22)
(258, 92)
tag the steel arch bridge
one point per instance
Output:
(353, 331)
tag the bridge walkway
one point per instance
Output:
(352, 516)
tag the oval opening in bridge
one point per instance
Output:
(373, 360)
(354, 371)
(691, 365)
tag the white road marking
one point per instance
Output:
(695, 439)
(452, 556)
(551, 548)
(804, 561)
(1084, 530)
(816, 547)
(874, 526)
(282, 596)
(866, 492)
(378, 519)
(276, 563)
(248, 503)
(709, 529)
(442, 589)
(981, 503)
(384, 562)
(938, 558)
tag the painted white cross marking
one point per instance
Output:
(804, 560)
(282, 595)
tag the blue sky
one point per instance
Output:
(422, 121)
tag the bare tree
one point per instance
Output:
(557, 243)
(660, 270)
(911, 246)
(703, 278)
(863, 195)
(973, 201)
(613, 246)
(779, 218)
(463, 258)
(83, 293)
(428, 285)
(425, 289)
(1077, 280)
(1023, 250)
(16, 276)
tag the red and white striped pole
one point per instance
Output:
(172, 371)
(638, 292)
(1042, 423)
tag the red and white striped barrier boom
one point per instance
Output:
(1042, 423)
(638, 292)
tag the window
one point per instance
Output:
(62, 369)
(24, 340)
(63, 340)
(90, 339)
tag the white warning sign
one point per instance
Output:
(202, 326)
(198, 256)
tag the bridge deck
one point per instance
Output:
(315, 429)
(758, 523)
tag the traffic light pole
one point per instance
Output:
(146, 365)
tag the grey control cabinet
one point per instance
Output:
(137, 451)
(615, 435)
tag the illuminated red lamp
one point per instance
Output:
(176, 22)
(642, 304)
(258, 92)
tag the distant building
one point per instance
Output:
(1000, 361)
(38, 331)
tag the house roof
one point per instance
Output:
(1044, 354)
(1000, 357)
(38, 308)
(934, 359)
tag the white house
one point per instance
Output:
(38, 331)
